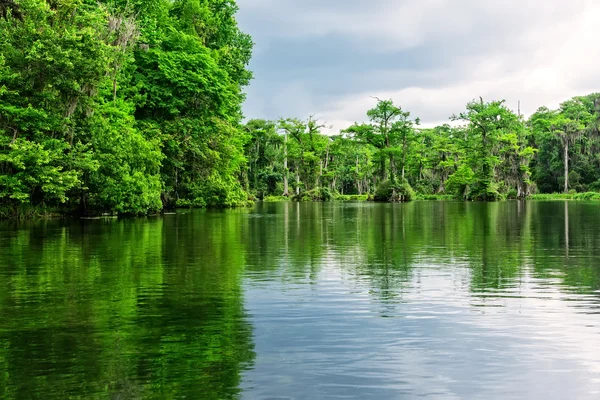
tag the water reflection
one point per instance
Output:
(446, 300)
(288, 300)
(123, 309)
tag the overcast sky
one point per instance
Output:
(328, 57)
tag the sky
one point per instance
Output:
(330, 58)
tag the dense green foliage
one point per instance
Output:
(121, 106)
(567, 196)
(488, 153)
(130, 107)
(316, 194)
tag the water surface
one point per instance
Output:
(441, 300)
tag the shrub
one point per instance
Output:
(566, 196)
(386, 191)
(595, 187)
(274, 199)
(434, 197)
(316, 194)
(459, 183)
(512, 194)
(587, 196)
(352, 197)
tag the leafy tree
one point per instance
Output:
(486, 123)
(567, 139)
(391, 132)
(123, 106)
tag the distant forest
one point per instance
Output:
(134, 106)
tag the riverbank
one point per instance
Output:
(359, 197)
(31, 212)
(566, 196)
(441, 197)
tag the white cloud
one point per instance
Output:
(539, 53)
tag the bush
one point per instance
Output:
(434, 197)
(550, 196)
(595, 187)
(383, 191)
(459, 183)
(485, 191)
(566, 196)
(316, 194)
(386, 191)
(36, 173)
(512, 194)
(427, 185)
(217, 190)
(352, 197)
(274, 199)
(587, 196)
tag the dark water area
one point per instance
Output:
(442, 300)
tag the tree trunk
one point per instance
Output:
(566, 159)
(358, 187)
(318, 180)
(297, 182)
(255, 172)
(404, 156)
(286, 190)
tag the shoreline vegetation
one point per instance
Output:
(28, 213)
(587, 196)
(121, 107)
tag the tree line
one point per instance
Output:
(487, 152)
(132, 106)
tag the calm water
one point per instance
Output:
(443, 300)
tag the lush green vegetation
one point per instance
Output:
(489, 153)
(351, 197)
(567, 196)
(121, 106)
(130, 107)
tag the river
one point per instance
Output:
(442, 300)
